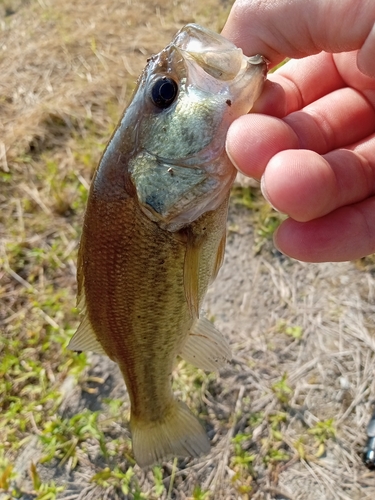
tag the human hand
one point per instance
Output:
(313, 146)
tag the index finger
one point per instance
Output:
(295, 29)
(301, 82)
(297, 84)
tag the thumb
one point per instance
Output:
(291, 28)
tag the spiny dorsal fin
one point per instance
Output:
(205, 347)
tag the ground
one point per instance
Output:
(286, 417)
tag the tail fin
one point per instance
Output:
(178, 434)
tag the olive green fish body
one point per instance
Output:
(136, 303)
(154, 232)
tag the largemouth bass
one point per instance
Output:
(154, 232)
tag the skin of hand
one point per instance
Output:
(311, 137)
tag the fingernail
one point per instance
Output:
(263, 188)
(275, 239)
(276, 244)
(232, 159)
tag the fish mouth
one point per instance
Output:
(216, 55)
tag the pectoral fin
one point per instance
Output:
(205, 347)
(84, 339)
(219, 256)
(191, 276)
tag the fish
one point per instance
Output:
(154, 232)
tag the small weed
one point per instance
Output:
(256, 418)
(126, 482)
(265, 219)
(6, 473)
(294, 331)
(273, 446)
(276, 455)
(245, 196)
(282, 390)
(61, 437)
(242, 463)
(322, 431)
(187, 377)
(44, 491)
(199, 494)
(269, 221)
(241, 456)
(114, 406)
(276, 420)
(10, 491)
(300, 447)
(159, 487)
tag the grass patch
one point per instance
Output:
(262, 216)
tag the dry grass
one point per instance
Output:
(286, 418)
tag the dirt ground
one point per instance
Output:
(287, 416)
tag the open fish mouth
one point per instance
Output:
(218, 56)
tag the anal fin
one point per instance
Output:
(206, 348)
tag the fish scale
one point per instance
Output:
(136, 286)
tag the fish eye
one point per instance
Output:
(164, 92)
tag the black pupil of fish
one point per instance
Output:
(164, 92)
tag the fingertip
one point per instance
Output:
(342, 235)
(264, 191)
(299, 183)
(271, 101)
(242, 149)
(285, 241)
(305, 241)
(232, 146)
(253, 139)
(276, 240)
